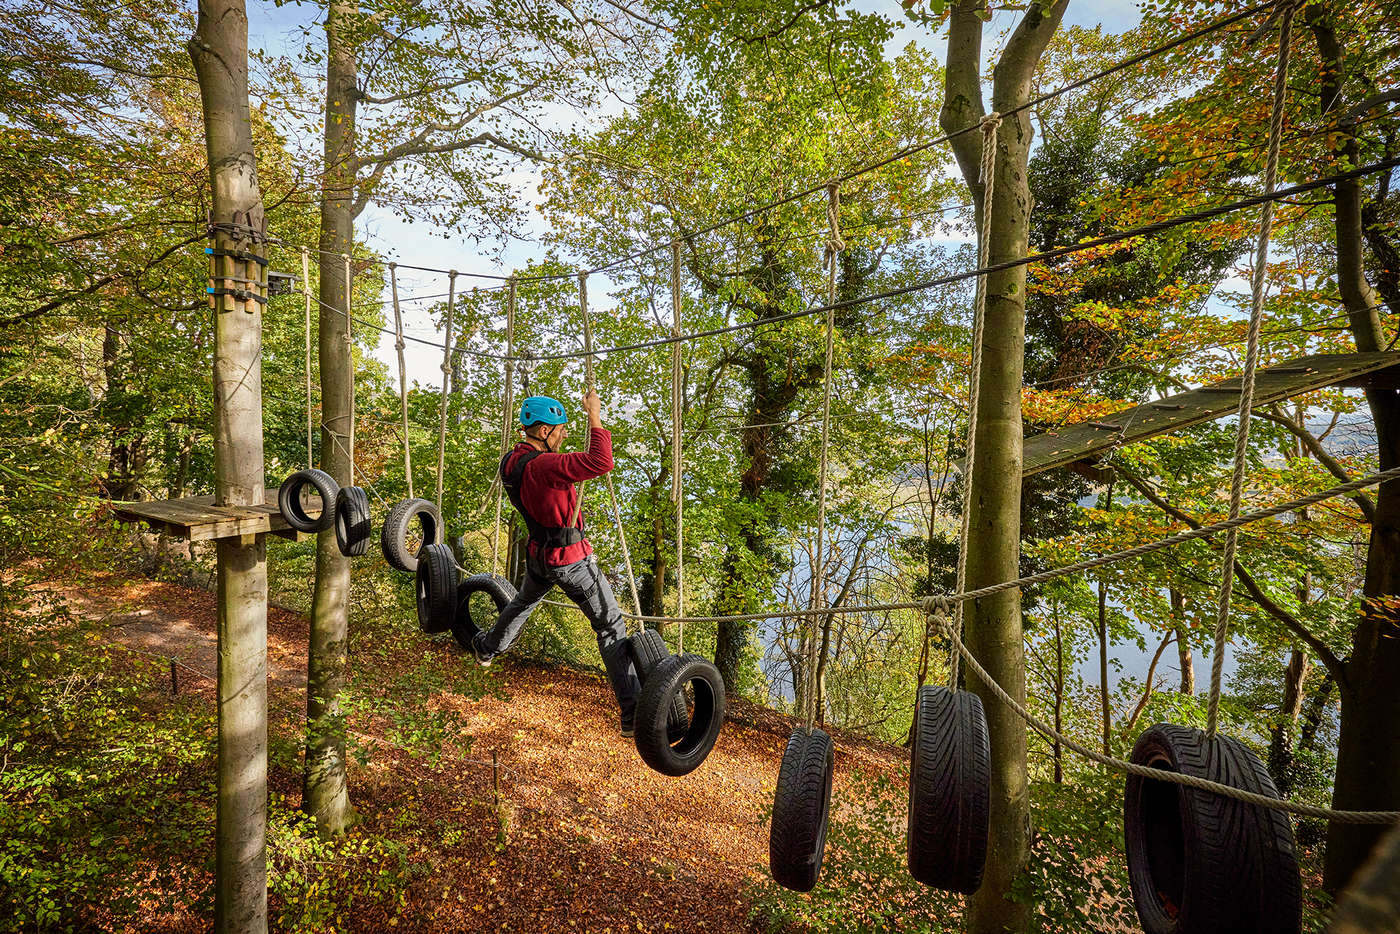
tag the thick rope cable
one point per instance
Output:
(1133, 768)
(350, 354)
(929, 603)
(677, 459)
(990, 123)
(1251, 360)
(306, 288)
(590, 386)
(403, 376)
(509, 404)
(1144, 230)
(446, 374)
(834, 246)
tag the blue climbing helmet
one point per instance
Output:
(537, 409)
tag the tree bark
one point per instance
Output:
(325, 796)
(1368, 749)
(219, 49)
(1284, 728)
(994, 632)
(1183, 645)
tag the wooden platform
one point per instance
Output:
(1088, 441)
(199, 520)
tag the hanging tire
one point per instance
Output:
(648, 649)
(436, 586)
(352, 528)
(393, 536)
(289, 500)
(1198, 861)
(501, 592)
(949, 790)
(667, 681)
(801, 809)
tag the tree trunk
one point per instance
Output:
(1284, 728)
(324, 793)
(219, 49)
(994, 632)
(1368, 749)
(1183, 644)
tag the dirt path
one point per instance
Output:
(593, 839)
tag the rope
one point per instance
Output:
(929, 603)
(505, 419)
(1251, 359)
(989, 125)
(677, 461)
(1132, 768)
(834, 246)
(446, 372)
(403, 375)
(350, 354)
(590, 387)
(1145, 230)
(306, 289)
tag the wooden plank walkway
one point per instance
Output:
(199, 520)
(1086, 441)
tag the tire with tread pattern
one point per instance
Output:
(801, 809)
(436, 588)
(683, 755)
(393, 535)
(1199, 861)
(501, 592)
(648, 648)
(289, 500)
(949, 790)
(352, 525)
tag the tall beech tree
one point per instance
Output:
(443, 90)
(993, 625)
(219, 49)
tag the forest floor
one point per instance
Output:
(545, 820)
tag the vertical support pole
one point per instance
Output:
(677, 460)
(306, 290)
(446, 370)
(403, 374)
(506, 408)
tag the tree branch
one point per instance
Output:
(1267, 603)
(1319, 453)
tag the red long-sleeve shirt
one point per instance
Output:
(547, 489)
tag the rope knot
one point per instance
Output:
(834, 243)
(990, 123)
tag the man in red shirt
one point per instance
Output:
(540, 483)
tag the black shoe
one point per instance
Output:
(628, 728)
(481, 659)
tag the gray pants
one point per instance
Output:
(584, 584)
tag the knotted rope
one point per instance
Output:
(446, 374)
(350, 355)
(590, 387)
(403, 374)
(677, 461)
(506, 415)
(1251, 359)
(990, 124)
(834, 246)
(306, 290)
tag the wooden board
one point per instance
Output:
(199, 520)
(1090, 440)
